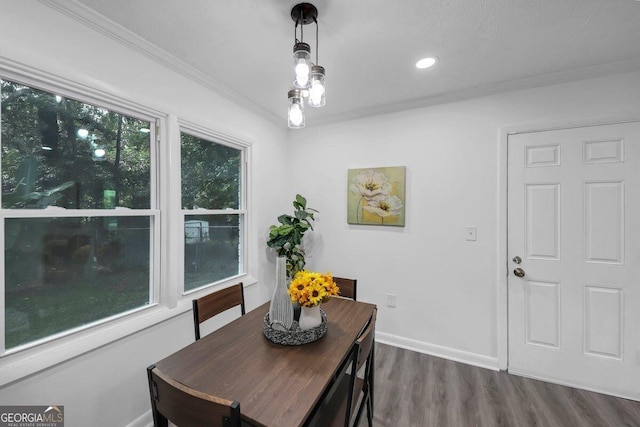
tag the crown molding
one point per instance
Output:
(94, 20)
(549, 79)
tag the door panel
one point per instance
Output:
(603, 322)
(604, 221)
(573, 218)
(542, 305)
(542, 213)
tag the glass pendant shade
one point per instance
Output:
(317, 87)
(301, 65)
(296, 109)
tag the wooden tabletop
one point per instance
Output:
(276, 385)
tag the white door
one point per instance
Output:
(574, 220)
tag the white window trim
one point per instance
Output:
(15, 365)
(244, 209)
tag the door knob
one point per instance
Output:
(518, 272)
(516, 259)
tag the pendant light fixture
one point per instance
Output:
(296, 109)
(316, 89)
(309, 78)
(301, 64)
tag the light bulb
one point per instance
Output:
(99, 153)
(317, 89)
(302, 68)
(302, 74)
(295, 115)
(83, 133)
(301, 81)
(295, 111)
(301, 65)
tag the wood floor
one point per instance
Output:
(414, 390)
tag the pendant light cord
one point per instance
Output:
(316, 21)
(301, 26)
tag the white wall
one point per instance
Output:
(446, 287)
(107, 387)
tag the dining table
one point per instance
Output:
(276, 385)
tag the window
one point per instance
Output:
(213, 207)
(78, 213)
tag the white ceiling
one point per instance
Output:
(242, 48)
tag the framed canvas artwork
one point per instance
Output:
(376, 196)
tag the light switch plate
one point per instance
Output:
(391, 300)
(471, 233)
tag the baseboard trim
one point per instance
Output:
(144, 420)
(439, 351)
(625, 394)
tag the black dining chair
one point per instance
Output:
(185, 407)
(354, 390)
(206, 307)
(348, 287)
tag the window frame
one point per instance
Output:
(217, 137)
(113, 104)
(168, 298)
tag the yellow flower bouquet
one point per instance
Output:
(309, 288)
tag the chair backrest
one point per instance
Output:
(364, 343)
(344, 397)
(364, 348)
(347, 287)
(362, 354)
(185, 407)
(208, 306)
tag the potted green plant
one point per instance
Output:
(286, 238)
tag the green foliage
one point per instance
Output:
(37, 312)
(42, 152)
(36, 199)
(210, 174)
(63, 273)
(286, 238)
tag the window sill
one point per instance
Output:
(22, 363)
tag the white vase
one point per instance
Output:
(281, 310)
(310, 317)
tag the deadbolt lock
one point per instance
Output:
(516, 259)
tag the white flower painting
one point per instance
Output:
(376, 196)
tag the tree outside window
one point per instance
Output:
(76, 195)
(211, 202)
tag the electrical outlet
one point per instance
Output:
(391, 300)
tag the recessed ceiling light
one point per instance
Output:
(427, 62)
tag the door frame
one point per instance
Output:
(502, 305)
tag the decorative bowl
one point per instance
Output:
(294, 336)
